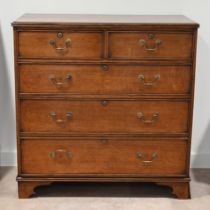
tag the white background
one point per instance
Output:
(196, 10)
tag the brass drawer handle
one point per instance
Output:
(155, 117)
(53, 115)
(60, 50)
(55, 153)
(150, 83)
(144, 43)
(59, 82)
(147, 162)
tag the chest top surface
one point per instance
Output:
(88, 19)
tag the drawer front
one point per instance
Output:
(145, 157)
(104, 116)
(105, 79)
(74, 45)
(139, 45)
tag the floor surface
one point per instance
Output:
(98, 196)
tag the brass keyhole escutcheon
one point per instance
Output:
(105, 67)
(104, 103)
(104, 141)
(151, 36)
(59, 34)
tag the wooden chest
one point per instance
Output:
(104, 99)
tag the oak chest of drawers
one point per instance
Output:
(104, 99)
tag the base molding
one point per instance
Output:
(26, 188)
(180, 186)
(180, 189)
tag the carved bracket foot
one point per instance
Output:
(26, 188)
(180, 189)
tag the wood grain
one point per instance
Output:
(180, 189)
(126, 45)
(104, 102)
(93, 79)
(103, 156)
(26, 189)
(92, 116)
(83, 45)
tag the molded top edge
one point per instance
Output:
(90, 19)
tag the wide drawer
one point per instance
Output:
(67, 45)
(106, 116)
(105, 79)
(139, 45)
(144, 157)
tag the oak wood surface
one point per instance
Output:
(103, 19)
(114, 117)
(103, 156)
(104, 79)
(26, 189)
(126, 45)
(104, 102)
(180, 187)
(82, 45)
(180, 190)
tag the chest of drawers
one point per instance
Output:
(104, 99)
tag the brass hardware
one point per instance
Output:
(53, 115)
(144, 44)
(151, 36)
(147, 162)
(104, 103)
(60, 50)
(59, 34)
(105, 67)
(55, 153)
(52, 155)
(104, 141)
(68, 76)
(155, 117)
(151, 83)
(59, 82)
(139, 155)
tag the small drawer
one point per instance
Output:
(138, 45)
(104, 116)
(128, 157)
(61, 45)
(105, 79)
